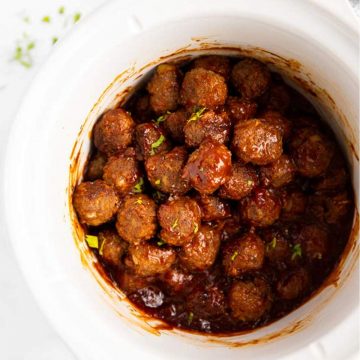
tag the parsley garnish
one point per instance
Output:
(234, 255)
(102, 247)
(92, 241)
(175, 224)
(296, 251)
(197, 114)
(22, 53)
(157, 182)
(271, 244)
(161, 242)
(156, 144)
(61, 10)
(54, 40)
(46, 19)
(138, 188)
(196, 228)
(250, 183)
(139, 201)
(190, 318)
(76, 17)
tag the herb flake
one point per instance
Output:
(175, 224)
(46, 19)
(61, 10)
(76, 17)
(102, 248)
(139, 201)
(196, 115)
(296, 251)
(271, 244)
(92, 241)
(196, 228)
(54, 40)
(138, 188)
(157, 143)
(190, 318)
(160, 242)
(157, 182)
(234, 255)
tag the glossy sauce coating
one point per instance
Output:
(219, 199)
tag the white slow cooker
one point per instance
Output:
(314, 43)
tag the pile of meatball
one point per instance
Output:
(219, 199)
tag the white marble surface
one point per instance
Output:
(24, 331)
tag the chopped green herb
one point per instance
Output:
(139, 201)
(296, 251)
(46, 19)
(22, 53)
(196, 228)
(54, 40)
(234, 255)
(76, 17)
(61, 10)
(175, 224)
(271, 244)
(161, 242)
(102, 248)
(160, 119)
(196, 115)
(190, 318)
(157, 182)
(156, 144)
(30, 45)
(92, 241)
(138, 188)
(250, 183)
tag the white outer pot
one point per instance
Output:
(129, 35)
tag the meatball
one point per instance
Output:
(240, 109)
(202, 87)
(130, 282)
(142, 111)
(95, 167)
(313, 241)
(200, 253)
(122, 171)
(229, 228)
(279, 98)
(292, 285)
(250, 300)
(163, 88)
(257, 141)
(177, 280)
(243, 254)
(95, 202)
(148, 259)
(251, 78)
(174, 124)
(206, 302)
(136, 219)
(262, 208)
(179, 219)
(151, 140)
(208, 167)
(279, 121)
(211, 125)
(218, 64)
(294, 204)
(311, 151)
(113, 133)
(164, 171)
(112, 247)
(213, 208)
(243, 179)
(278, 173)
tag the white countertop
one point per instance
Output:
(24, 331)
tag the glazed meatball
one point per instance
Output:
(136, 219)
(257, 141)
(130, 282)
(206, 302)
(243, 254)
(200, 253)
(292, 285)
(113, 133)
(177, 280)
(311, 151)
(142, 111)
(179, 219)
(213, 208)
(208, 167)
(230, 228)
(148, 259)
(250, 300)
(151, 140)
(95, 202)
(279, 98)
(211, 125)
(202, 87)
(240, 109)
(262, 208)
(95, 168)
(122, 171)
(112, 247)
(294, 204)
(242, 180)
(279, 121)
(174, 124)
(218, 64)
(163, 88)
(164, 171)
(251, 78)
(278, 173)
(314, 242)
